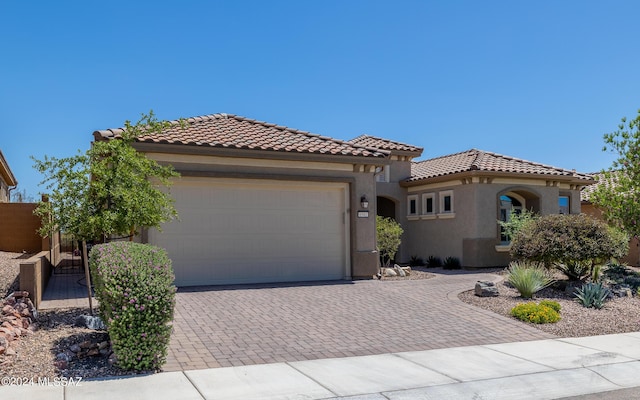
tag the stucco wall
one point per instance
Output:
(473, 234)
(360, 178)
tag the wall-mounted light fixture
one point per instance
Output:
(364, 202)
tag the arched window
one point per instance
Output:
(510, 203)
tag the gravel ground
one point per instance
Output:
(619, 315)
(9, 271)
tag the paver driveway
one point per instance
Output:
(230, 326)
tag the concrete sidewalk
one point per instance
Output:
(542, 369)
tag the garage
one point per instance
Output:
(234, 231)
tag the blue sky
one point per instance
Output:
(536, 80)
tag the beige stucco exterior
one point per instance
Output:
(356, 172)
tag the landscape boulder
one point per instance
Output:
(486, 289)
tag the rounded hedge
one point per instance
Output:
(134, 286)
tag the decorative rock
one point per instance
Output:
(389, 272)
(10, 352)
(112, 359)
(61, 364)
(63, 357)
(486, 289)
(93, 352)
(103, 345)
(2, 350)
(85, 345)
(75, 348)
(91, 322)
(399, 270)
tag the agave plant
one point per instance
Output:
(592, 295)
(527, 278)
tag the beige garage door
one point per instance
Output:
(250, 231)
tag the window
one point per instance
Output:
(412, 205)
(428, 203)
(509, 205)
(446, 202)
(563, 205)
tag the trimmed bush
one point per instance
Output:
(536, 313)
(134, 285)
(568, 240)
(528, 279)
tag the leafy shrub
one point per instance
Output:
(434, 262)
(451, 263)
(596, 273)
(592, 295)
(516, 222)
(562, 239)
(134, 285)
(416, 261)
(575, 269)
(551, 304)
(388, 238)
(536, 313)
(527, 278)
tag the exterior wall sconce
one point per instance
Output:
(364, 202)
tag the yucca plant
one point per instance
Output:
(527, 278)
(592, 295)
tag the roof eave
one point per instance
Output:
(381, 159)
(572, 179)
(6, 173)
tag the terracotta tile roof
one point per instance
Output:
(587, 191)
(232, 131)
(384, 144)
(478, 160)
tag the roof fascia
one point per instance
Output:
(498, 174)
(259, 154)
(6, 173)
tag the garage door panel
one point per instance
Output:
(245, 231)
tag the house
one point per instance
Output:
(7, 180)
(633, 257)
(259, 202)
(450, 206)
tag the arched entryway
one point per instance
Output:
(513, 202)
(386, 207)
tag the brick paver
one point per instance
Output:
(231, 326)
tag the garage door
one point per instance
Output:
(251, 231)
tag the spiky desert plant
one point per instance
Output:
(527, 278)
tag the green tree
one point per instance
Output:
(112, 189)
(572, 243)
(389, 234)
(618, 194)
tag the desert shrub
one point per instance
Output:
(535, 313)
(527, 278)
(559, 239)
(434, 262)
(451, 263)
(551, 304)
(516, 222)
(134, 285)
(416, 261)
(575, 270)
(597, 273)
(592, 295)
(389, 234)
(620, 274)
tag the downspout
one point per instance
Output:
(10, 188)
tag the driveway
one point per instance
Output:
(257, 324)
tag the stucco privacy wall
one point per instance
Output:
(196, 162)
(18, 228)
(472, 235)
